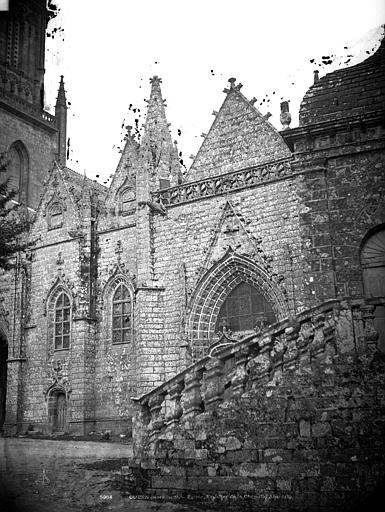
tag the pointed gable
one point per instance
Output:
(126, 170)
(58, 203)
(157, 148)
(71, 193)
(121, 196)
(239, 137)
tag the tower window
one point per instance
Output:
(55, 216)
(62, 322)
(121, 315)
(244, 309)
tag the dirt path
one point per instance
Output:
(61, 476)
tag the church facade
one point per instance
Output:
(125, 287)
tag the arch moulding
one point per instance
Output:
(214, 287)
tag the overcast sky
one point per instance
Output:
(107, 51)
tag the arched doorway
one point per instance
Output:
(57, 410)
(373, 273)
(3, 378)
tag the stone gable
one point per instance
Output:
(239, 137)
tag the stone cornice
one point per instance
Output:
(331, 127)
(42, 120)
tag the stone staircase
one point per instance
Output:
(289, 418)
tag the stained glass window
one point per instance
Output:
(121, 315)
(62, 322)
(244, 309)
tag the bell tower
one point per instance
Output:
(37, 136)
(22, 48)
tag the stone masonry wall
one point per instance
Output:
(291, 421)
(193, 237)
(344, 198)
(39, 374)
(115, 374)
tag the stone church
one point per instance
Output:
(126, 286)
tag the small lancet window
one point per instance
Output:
(244, 309)
(62, 322)
(126, 200)
(55, 216)
(121, 315)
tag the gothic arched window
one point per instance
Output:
(121, 315)
(55, 216)
(18, 171)
(62, 322)
(244, 309)
(373, 264)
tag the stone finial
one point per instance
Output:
(232, 82)
(253, 100)
(155, 80)
(285, 116)
(316, 75)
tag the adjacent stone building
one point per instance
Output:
(127, 286)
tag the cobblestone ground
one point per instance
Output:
(55, 476)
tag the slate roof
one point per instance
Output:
(349, 92)
(77, 181)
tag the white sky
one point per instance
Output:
(112, 48)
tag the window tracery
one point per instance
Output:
(121, 315)
(244, 309)
(62, 322)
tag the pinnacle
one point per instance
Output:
(61, 95)
(156, 114)
(156, 136)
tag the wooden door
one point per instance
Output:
(61, 409)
